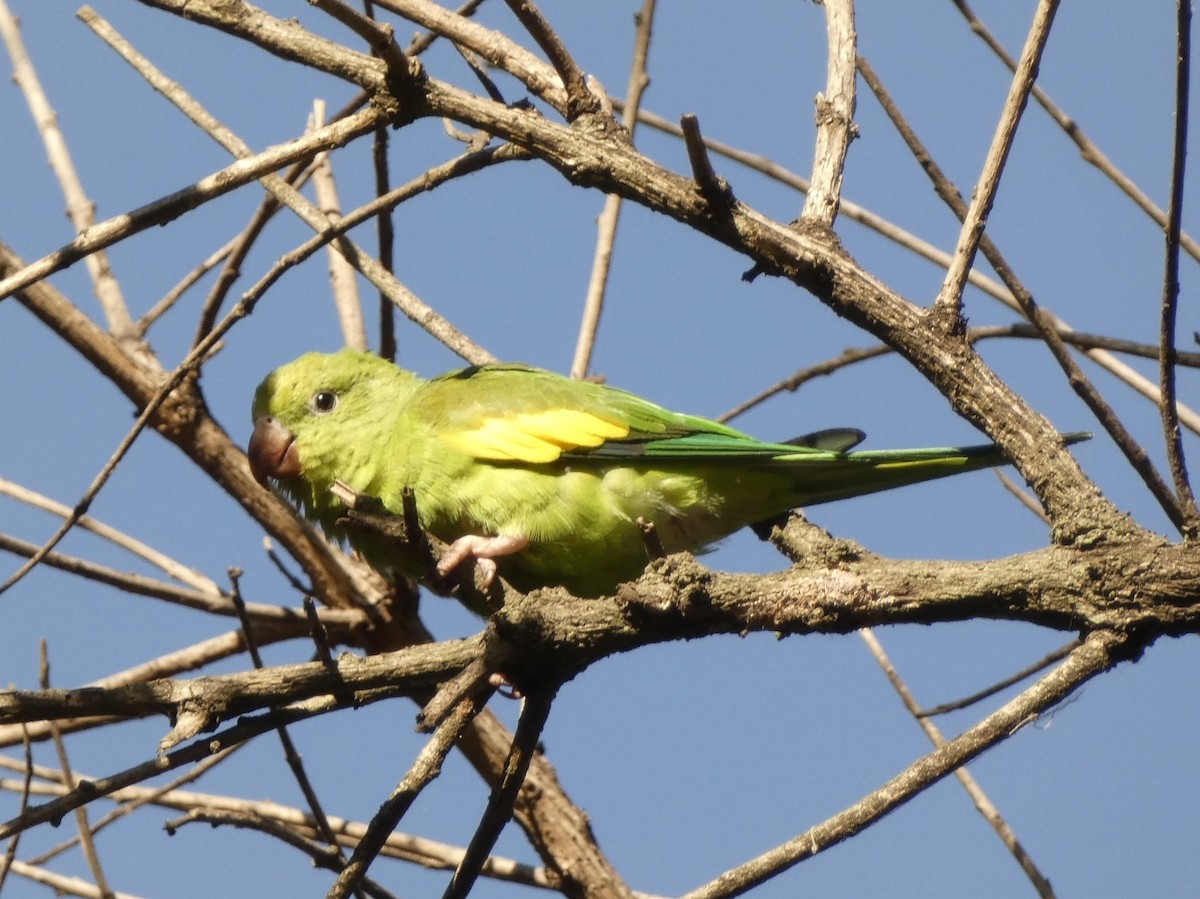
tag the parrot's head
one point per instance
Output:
(314, 416)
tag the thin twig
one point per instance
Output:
(949, 298)
(127, 582)
(1170, 292)
(405, 847)
(1045, 662)
(538, 76)
(534, 713)
(379, 36)
(64, 885)
(322, 855)
(80, 209)
(165, 563)
(1021, 331)
(422, 42)
(794, 381)
(265, 616)
(1045, 322)
(407, 302)
(129, 806)
(342, 280)
(165, 209)
(81, 507)
(384, 230)
(425, 768)
(168, 665)
(1087, 148)
(275, 559)
(291, 756)
(1096, 655)
(320, 636)
(10, 851)
(86, 843)
(297, 175)
(479, 69)
(186, 283)
(606, 225)
(1023, 497)
(247, 728)
(983, 804)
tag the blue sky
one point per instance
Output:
(688, 758)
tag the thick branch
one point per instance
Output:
(201, 703)
(1149, 589)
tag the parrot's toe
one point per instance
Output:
(504, 686)
(484, 550)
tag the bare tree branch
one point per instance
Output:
(835, 115)
(1088, 149)
(342, 282)
(424, 769)
(1097, 349)
(81, 816)
(80, 210)
(982, 803)
(1044, 322)
(534, 713)
(1189, 514)
(949, 299)
(606, 225)
(580, 100)
(1099, 653)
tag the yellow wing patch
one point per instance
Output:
(537, 436)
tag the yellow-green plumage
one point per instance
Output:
(569, 466)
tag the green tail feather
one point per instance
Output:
(870, 471)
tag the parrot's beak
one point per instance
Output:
(272, 451)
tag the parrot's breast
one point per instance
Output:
(581, 520)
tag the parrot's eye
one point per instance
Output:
(323, 401)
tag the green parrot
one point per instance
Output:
(543, 478)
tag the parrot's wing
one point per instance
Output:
(515, 413)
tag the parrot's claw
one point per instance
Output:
(484, 550)
(504, 686)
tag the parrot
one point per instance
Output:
(546, 480)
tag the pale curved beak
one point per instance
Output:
(272, 451)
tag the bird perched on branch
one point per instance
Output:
(545, 479)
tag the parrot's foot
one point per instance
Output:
(484, 550)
